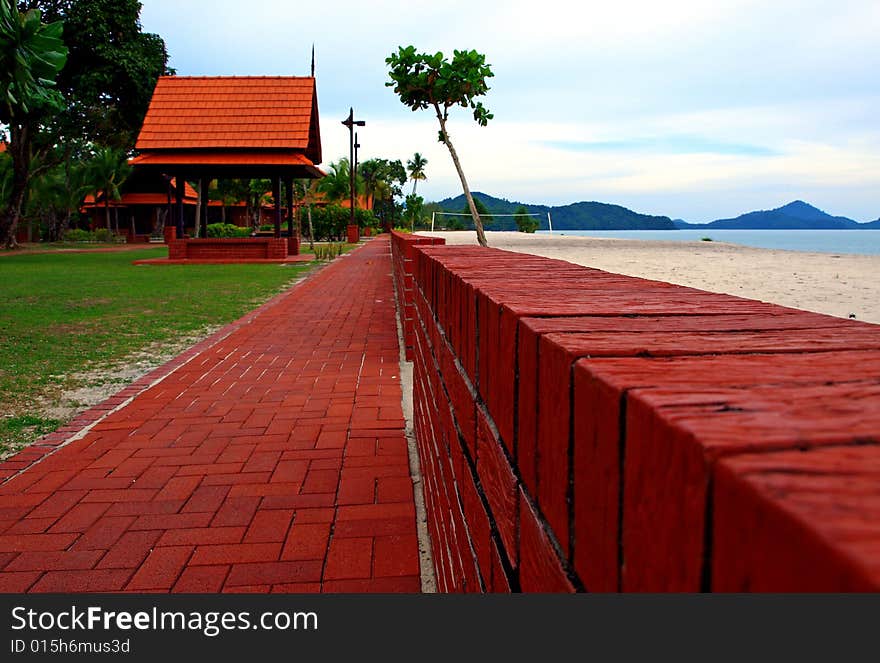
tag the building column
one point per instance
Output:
(180, 192)
(276, 196)
(204, 184)
(292, 235)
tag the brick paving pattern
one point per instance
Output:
(271, 460)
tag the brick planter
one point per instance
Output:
(245, 248)
(353, 234)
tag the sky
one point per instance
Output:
(684, 108)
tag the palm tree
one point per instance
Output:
(108, 169)
(416, 168)
(336, 186)
(56, 194)
(31, 55)
(228, 192)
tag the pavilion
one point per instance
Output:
(203, 128)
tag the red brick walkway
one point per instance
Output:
(273, 460)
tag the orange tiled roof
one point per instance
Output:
(216, 112)
(135, 198)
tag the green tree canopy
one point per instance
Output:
(423, 81)
(106, 172)
(31, 55)
(336, 186)
(383, 181)
(414, 212)
(111, 71)
(525, 223)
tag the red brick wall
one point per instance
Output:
(581, 430)
(229, 249)
(402, 265)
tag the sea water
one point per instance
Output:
(821, 241)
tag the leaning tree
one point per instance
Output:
(425, 81)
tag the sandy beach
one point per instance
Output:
(842, 285)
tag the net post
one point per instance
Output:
(432, 221)
(549, 223)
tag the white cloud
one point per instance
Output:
(796, 78)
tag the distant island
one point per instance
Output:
(577, 216)
(796, 215)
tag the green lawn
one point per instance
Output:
(62, 314)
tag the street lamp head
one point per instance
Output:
(361, 123)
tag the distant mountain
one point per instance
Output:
(797, 215)
(577, 216)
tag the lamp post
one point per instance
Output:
(351, 123)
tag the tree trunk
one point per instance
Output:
(223, 212)
(311, 229)
(116, 218)
(65, 224)
(107, 210)
(478, 224)
(20, 149)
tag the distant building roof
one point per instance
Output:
(142, 197)
(230, 113)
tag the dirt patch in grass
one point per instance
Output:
(92, 387)
(80, 391)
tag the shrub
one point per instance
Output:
(330, 222)
(77, 235)
(365, 218)
(227, 230)
(103, 235)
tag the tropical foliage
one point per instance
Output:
(413, 213)
(76, 77)
(525, 223)
(416, 169)
(336, 186)
(31, 55)
(107, 170)
(110, 73)
(383, 184)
